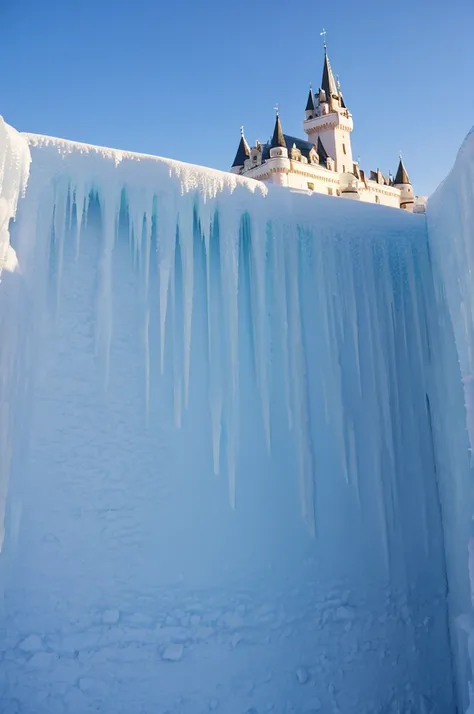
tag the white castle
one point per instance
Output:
(323, 162)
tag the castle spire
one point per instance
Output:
(310, 102)
(278, 139)
(328, 83)
(402, 175)
(243, 151)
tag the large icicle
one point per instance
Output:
(186, 241)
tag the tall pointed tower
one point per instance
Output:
(330, 121)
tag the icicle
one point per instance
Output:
(299, 389)
(214, 341)
(176, 313)
(186, 240)
(80, 194)
(229, 230)
(279, 278)
(110, 206)
(149, 207)
(166, 238)
(61, 193)
(207, 237)
(259, 316)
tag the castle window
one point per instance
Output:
(344, 148)
(311, 186)
(330, 192)
(377, 199)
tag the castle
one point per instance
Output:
(323, 162)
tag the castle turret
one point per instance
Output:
(278, 144)
(331, 121)
(279, 154)
(402, 182)
(243, 153)
(310, 104)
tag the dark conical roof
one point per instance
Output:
(243, 153)
(328, 83)
(278, 139)
(310, 102)
(402, 176)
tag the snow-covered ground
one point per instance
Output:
(226, 414)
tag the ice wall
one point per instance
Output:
(223, 497)
(14, 170)
(451, 232)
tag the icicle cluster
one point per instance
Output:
(330, 311)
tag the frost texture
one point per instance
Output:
(228, 498)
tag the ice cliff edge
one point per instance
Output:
(15, 162)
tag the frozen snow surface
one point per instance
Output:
(231, 483)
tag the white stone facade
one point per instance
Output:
(323, 161)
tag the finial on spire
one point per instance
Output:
(241, 130)
(323, 34)
(277, 109)
(400, 154)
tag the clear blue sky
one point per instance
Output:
(178, 78)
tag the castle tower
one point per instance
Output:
(402, 182)
(310, 104)
(278, 145)
(243, 153)
(330, 121)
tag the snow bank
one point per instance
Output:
(226, 498)
(450, 214)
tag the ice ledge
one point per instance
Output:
(209, 182)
